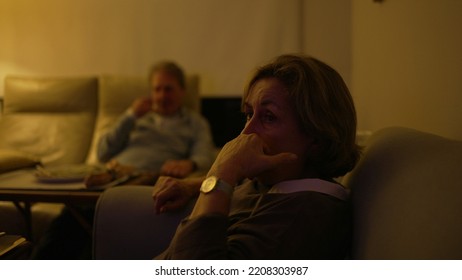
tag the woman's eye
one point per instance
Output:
(266, 117)
(269, 117)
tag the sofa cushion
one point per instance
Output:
(11, 160)
(407, 194)
(50, 118)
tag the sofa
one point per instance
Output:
(57, 121)
(406, 197)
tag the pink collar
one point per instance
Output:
(310, 184)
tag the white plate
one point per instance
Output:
(65, 173)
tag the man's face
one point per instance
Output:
(166, 93)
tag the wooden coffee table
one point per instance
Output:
(22, 188)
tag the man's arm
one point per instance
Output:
(116, 139)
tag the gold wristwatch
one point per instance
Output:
(213, 183)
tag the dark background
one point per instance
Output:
(225, 117)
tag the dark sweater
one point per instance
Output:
(298, 225)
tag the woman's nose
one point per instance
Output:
(249, 127)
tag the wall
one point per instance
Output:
(220, 40)
(407, 64)
(327, 33)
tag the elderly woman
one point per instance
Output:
(271, 193)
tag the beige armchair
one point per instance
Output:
(407, 197)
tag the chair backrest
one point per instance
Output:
(51, 118)
(116, 94)
(407, 197)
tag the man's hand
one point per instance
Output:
(177, 168)
(141, 106)
(170, 194)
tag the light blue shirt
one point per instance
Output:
(146, 143)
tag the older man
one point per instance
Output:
(156, 135)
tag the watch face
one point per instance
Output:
(209, 184)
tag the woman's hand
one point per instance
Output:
(245, 157)
(170, 194)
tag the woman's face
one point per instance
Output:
(271, 116)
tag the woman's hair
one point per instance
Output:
(169, 67)
(324, 107)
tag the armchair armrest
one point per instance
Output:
(127, 227)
